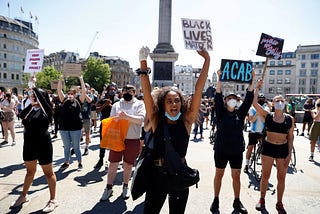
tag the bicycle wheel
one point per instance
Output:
(293, 158)
(257, 165)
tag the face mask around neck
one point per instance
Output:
(172, 118)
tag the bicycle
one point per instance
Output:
(255, 160)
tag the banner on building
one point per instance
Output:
(34, 61)
(270, 47)
(71, 69)
(197, 34)
(236, 70)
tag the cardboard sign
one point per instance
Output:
(270, 47)
(236, 70)
(54, 84)
(71, 69)
(34, 60)
(197, 34)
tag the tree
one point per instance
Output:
(97, 73)
(45, 76)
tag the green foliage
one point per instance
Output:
(96, 73)
(45, 76)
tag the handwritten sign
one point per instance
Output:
(54, 84)
(71, 69)
(197, 34)
(34, 60)
(236, 70)
(270, 47)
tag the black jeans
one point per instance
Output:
(157, 194)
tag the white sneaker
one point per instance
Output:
(51, 205)
(125, 192)
(106, 194)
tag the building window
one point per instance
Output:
(4, 65)
(280, 62)
(302, 90)
(279, 72)
(287, 81)
(279, 81)
(4, 46)
(272, 62)
(288, 72)
(271, 81)
(302, 81)
(4, 75)
(314, 64)
(315, 56)
(303, 57)
(303, 73)
(288, 62)
(272, 72)
(313, 81)
(271, 90)
(242, 87)
(279, 90)
(314, 73)
(12, 76)
(17, 77)
(287, 90)
(303, 65)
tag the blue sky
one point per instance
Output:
(124, 26)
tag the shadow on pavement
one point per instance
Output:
(115, 207)
(92, 177)
(6, 171)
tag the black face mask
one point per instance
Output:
(127, 96)
(261, 102)
(112, 93)
(318, 104)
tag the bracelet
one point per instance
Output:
(144, 72)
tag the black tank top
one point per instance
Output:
(283, 127)
(179, 139)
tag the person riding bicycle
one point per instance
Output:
(256, 128)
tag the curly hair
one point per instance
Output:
(160, 102)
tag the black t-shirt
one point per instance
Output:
(70, 116)
(105, 112)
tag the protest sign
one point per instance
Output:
(236, 70)
(270, 47)
(34, 60)
(54, 84)
(71, 69)
(197, 34)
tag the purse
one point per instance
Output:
(142, 173)
(182, 176)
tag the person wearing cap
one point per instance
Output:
(229, 145)
(256, 130)
(70, 121)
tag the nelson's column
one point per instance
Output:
(163, 55)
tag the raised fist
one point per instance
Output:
(143, 53)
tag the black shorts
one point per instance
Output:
(221, 160)
(275, 150)
(38, 150)
(254, 137)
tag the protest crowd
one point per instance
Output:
(145, 119)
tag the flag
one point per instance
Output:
(21, 10)
(30, 15)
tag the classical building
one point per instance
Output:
(59, 58)
(121, 73)
(184, 78)
(16, 37)
(307, 69)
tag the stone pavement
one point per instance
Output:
(80, 191)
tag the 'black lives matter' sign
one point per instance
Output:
(270, 47)
(197, 34)
(236, 70)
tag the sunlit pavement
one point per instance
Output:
(80, 191)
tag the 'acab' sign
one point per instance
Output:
(197, 34)
(236, 70)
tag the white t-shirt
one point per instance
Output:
(258, 125)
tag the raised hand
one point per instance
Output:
(143, 53)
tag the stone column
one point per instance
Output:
(163, 55)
